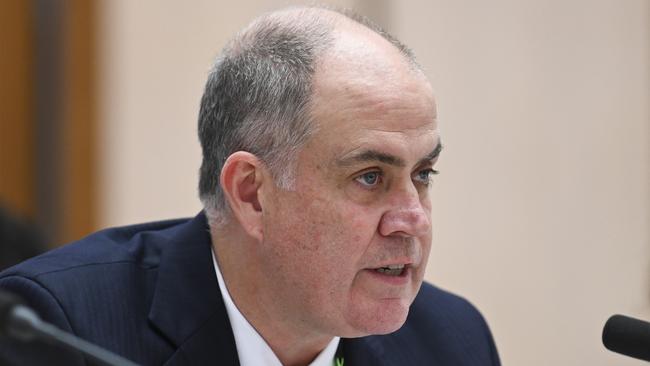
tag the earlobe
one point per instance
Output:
(241, 179)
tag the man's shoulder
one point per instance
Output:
(138, 244)
(102, 288)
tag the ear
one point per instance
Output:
(241, 179)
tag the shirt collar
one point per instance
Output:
(252, 349)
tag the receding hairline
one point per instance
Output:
(297, 13)
(341, 22)
(338, 18)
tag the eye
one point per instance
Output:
(369, 179)
(424, 176)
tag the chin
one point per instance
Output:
(384, 317)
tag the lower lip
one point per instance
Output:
(402, 279)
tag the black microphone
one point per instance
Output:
(627, 336)
(22, 323)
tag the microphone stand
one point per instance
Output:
(22, 323)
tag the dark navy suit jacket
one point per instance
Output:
(149, 292)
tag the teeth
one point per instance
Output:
(391, 269)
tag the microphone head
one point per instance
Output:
(8, 302)
(627, 336)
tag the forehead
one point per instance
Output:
(366, 93)
(407, 104)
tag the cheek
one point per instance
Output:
(315, 234)
(362, 223)
(335, 232)
(344, 225)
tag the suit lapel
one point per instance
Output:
(370, 351)
(187, 306)
(360, 352)
(211, 344)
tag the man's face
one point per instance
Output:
(346, 249)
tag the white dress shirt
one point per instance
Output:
(252, 349)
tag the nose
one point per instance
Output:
(406, 216)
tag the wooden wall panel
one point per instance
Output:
(16, 107)
(78, 155)
(47, 114)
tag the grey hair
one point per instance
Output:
(257, 96)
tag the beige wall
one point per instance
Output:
(542, 210)
(543, 205)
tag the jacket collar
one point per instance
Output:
(187, 306)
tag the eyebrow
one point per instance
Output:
(371, 155)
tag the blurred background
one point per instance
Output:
(542, 210)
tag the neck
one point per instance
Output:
(293, 345)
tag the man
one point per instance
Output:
(319, 138)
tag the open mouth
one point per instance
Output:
(391, 270)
